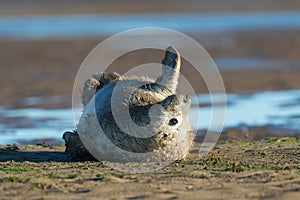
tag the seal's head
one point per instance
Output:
(164, 112)
(174, 118)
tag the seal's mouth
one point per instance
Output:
(160, 140)
(165, 138)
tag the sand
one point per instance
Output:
(237, 169)
(30, 7)
(48, 68)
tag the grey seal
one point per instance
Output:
(168, 135)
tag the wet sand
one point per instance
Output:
(238, 169)
(48, 68)
(31, 7)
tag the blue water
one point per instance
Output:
(281, 109)
(70, 26)
(33, 123)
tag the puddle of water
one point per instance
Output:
(66, 26)
(252, 110)
(29, 124)
(39, 124)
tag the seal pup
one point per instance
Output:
(168, 135)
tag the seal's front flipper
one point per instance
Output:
(95, 83)
(74, 147)
(170, 69)
(107, 77)
(89, 89)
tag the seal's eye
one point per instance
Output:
(173, 121)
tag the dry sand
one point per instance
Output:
(266, 169)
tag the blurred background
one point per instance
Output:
(255, 44)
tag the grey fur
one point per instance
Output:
(170, 124)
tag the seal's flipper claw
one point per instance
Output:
(172, 58)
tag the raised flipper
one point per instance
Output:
(170, 69)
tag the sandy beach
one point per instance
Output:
(238, 169)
